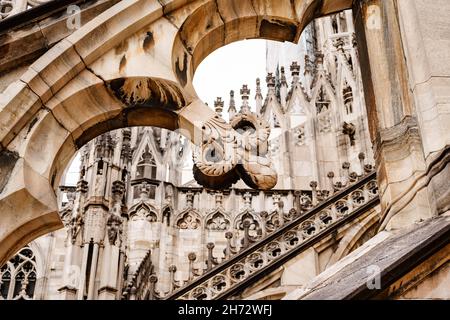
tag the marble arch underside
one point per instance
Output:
(132, 65)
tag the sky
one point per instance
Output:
(227, 68)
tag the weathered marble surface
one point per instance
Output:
(394, 255)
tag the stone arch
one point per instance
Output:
(144, 210)
(65, 98)
(252, 216)
(188, 219)
(167, 213)
(217, 220)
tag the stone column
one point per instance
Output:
(81, 285)
(111, 260)
(393, 121)
(93, 272)
(425, 30)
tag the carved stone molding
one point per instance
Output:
(398, 136)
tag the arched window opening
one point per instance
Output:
(18, 276)
(166, 216)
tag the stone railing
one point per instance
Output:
(255, 252)
(291, 238)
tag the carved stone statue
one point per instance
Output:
(114, 229)
(75, 227)
(235, 151)
(350, 130)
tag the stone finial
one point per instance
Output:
(232, 107)
(270, 80)
(346, 165)
(109, 142)
(258, 89)
(245, 95)
(313, 185)
(283, 80)
(218, 105)
(153, 279)
(192, 256)
(211, 261)
(245, 92)
(319, 58)
(362, 163)
(259, 97)
(126, 134)
(295, 72)
(82, 186)
(247, 199)
(189, 199)
(246, 225)
(339, 44)
(330, 176)
(173, 268)
(230, 249)
(295, 69)
(126, 152)
(308, 65)
(117, 190)
(219, 199)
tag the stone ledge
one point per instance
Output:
(395, 256)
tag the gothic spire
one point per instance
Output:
(232, 108)
(218, 106)
(259, 97)
(245, 94)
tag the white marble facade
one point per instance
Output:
(132, 197)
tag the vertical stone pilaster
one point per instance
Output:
(393, 121)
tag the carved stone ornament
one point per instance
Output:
(230, 152)
(217, 221)
(189, 220)
(349, 129)
(75, 227)
(114, 229)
